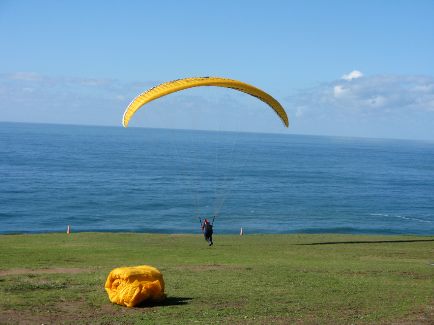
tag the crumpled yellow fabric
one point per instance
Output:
(130, 286)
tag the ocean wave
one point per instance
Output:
(413, 219)
(402, 217)
(352, 230)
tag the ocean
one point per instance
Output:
(162, 181)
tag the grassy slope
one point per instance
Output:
(249, 279)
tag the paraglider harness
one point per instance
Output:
(207, 229)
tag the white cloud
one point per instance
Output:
(390, 93)
(380, 106)
(339, 90)
(26, 76)
(96, 101)
(51, 99)
(352, 75)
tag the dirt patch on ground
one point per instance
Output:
(70, 312)
(65, 313)
(79, 312)
(55, 270)
(423, 316)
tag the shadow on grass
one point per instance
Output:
(368, 242)
(169, 301)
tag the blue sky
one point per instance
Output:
(350, 68)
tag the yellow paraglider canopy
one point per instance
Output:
(181, 84)
(130, 286)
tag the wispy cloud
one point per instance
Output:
(354, 104)
(355, 93)
(352, 75)
(30, 97)
(26, 76)
(379, 105)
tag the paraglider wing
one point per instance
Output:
(181, 84)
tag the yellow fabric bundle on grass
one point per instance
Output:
(130, 286)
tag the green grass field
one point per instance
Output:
(255, 279)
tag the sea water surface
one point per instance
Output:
(154, 180)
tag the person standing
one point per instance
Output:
(207, 231)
